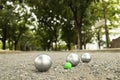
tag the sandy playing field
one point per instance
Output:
(105, 65)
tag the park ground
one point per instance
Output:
(18, 65)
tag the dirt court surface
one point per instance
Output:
(103, 66)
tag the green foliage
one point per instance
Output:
(70, 37)
(27, 41)
(55, 20)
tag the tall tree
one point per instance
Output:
(69, 34)
(109, 11)
(78, 9)
(105, 26)
(19, 24)
(5, 16)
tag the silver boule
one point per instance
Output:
(86, 57)
(43, 63)
(73, 59)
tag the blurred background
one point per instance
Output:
(59, 25)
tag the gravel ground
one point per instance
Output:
(20, 66)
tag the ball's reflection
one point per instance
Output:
(73, 59)
(86, 57)
(43, 63)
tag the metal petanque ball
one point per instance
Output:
(73, 59)
(43, 63)
(86, 57)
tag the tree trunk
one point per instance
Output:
(55, 45)
(68, 46)
(4, 44)
(84, 42)
(78, 20)
(48, 46)
(98, 38)
(15, 44)
(9, 44)
(79, 27)
(106, 28)
(12, 45)
(84, 45)
(79, 37)
(4, 38)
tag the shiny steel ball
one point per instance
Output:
(43, 63)
(73, 59)
(86, 57)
